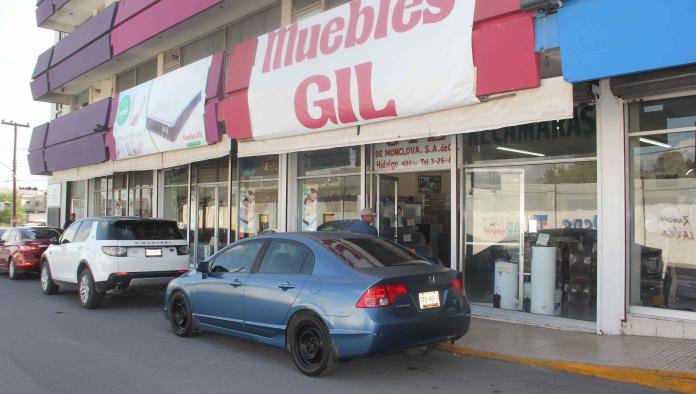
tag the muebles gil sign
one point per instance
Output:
(366, 61)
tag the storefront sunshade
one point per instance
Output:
(552, 101)
(144, 163)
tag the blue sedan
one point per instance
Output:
(325, 297)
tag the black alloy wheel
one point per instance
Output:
(180, 316)
(310, 345)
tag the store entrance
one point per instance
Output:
(211, 220)
(413, 210)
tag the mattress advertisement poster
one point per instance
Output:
(360, 63)
(164, 114)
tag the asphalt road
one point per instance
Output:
(48, 344)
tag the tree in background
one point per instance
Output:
(6, 214)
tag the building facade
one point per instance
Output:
(532, 145)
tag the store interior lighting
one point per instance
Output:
(656, 143)
(524, 152)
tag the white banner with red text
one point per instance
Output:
(363, 62)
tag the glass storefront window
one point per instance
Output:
(211, 171)
(530, 241)
(140, 194)
(120, 194)
(329, 162)
(77, 193)
(662, 185)
(564, 139)
(531, 236)
(261, 167)
(324, 200)
(258, 207)
(257, 195)
(664, 114)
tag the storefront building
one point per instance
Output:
(560, 180)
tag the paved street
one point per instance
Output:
(48, 344)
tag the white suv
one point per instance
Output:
(106, 253)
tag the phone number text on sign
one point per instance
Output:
(413, 154)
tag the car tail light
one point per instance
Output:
(379, 296)
(182, 250)
(121, 274)
(28, 248)
(458, 285)
(115, 251)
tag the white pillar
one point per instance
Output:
(611, 208)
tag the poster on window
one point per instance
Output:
(164, 114)
(415, 155)
(247, 208)
(310, 199)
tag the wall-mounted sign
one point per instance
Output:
(420, 154)
(363, 62)
(164, 114)
(53, 195)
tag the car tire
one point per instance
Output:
(420, 351)
(310, 345)
(47, 285)
(12, 270)
(180, 316)
(90, 298)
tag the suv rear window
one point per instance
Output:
(138, 230)
(371, 252)
(39, 233)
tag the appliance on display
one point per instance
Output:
(506, 285)
(543, 280)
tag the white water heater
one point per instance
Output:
(543, 279)
(506, 283)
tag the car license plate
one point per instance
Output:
(429, 299)
(153, 252)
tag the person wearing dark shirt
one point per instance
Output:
(71, 220)
(364, 226)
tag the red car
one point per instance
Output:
(21, 249)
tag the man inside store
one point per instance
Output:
(364, 226)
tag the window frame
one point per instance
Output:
(261, 252)
(64, 236)
(257, 265)
(78, 232)
(629, 206)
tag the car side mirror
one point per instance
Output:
(202, 267)
(55, 241)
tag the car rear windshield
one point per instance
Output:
(40, 233)
(138, 230)
(371, 252)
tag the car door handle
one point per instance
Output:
(286, 286)
(236, 283)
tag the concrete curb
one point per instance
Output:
(681, 382)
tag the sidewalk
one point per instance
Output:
(654, 362)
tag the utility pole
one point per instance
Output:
(14, 167)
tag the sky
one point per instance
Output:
(21, 42)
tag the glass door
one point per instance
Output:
(211, 229)
(494, 238)
(387, 207)
(206, 219)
